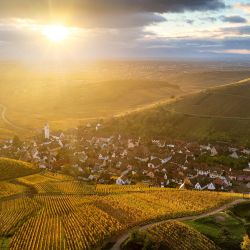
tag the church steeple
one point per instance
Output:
(46, 131)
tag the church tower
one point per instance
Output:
(46, 131)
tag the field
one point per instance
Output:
(65, 98)
(220, 113)
(59, 212)
(169, 235)
(226, 229)
(10, 169)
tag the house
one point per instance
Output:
(234, 155)
(214, 151)
(131, 145)
(246, 151)
(42, 166)
(197, 186)
(151, 175)
(120, 181)
(166, 160)
(203, 172)
(247, 169)
(211, 186)
(204, 147)
(243, 178)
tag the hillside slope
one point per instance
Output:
(10, 169)
(169, 235)
(66, 97)
(221, 113)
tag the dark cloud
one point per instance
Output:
(241, 30)
(77, 11)
(233, 19)
(123, 20)
(189, 21)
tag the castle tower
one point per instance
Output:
(46, 131)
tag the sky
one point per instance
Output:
(171, 29)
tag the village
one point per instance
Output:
(89, 157)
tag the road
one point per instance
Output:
(5, 120)
(123, 237)
(209, 116)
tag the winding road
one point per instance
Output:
(3, 110)
(122, 238)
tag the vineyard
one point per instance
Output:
(8, 188)
(170, 235)
(82, 216)
(10, 169)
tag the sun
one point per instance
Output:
(56, 33)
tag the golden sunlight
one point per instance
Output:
(56, 33)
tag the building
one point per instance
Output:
(46, 131)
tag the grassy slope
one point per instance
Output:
(200, 116)
(10, 169)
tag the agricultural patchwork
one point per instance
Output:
(62, 213)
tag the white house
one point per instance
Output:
(246, 151)
(166, 160)
(197, 186)
(234, 155)
(214, 151)
(211, 186)
(120, 181)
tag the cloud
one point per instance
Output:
(189, 21)
(237, 51)
(80, 12)
(241, 30)
(245, 7)
(233, 19)
(122, 20)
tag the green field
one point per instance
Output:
(226, 229)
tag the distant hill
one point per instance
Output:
(220, 113)
(67, 97)
(10, 169)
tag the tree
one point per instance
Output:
(16, 141)
(245, 244)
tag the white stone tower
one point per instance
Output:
(46, 131)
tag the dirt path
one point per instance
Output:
(123, 237)
(3, 110)
(209, 116)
